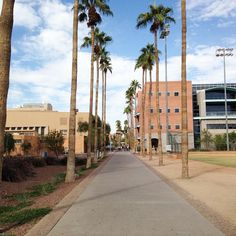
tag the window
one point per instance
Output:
(168, 93)
(177, 126)
(160, 110)
(18, 128)
(152, 126)
(169, 126)
(168, 110)
(159, 94)
(151, 110)
(150, 93)
(176, 94)
(160, 126)
(176, 110)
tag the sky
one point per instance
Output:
(42, 42)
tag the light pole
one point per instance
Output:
(223, 52)
(165, 32)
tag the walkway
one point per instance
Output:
(127, 199)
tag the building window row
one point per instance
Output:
(176, 110)
(221, 126)
(175, 93)
(177, 126)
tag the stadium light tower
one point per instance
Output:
(225, 52)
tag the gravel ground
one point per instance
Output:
(211, 189)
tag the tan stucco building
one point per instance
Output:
(39, 119)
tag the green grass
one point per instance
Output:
(222, 161)
(23, 216)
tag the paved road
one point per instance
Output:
(127, 199)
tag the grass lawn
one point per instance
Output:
(217, 160)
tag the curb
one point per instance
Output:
(47, 223)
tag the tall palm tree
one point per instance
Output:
(135, 85)
(79, 15)
(185, 170)
(105, 66)
(141, 62)
(100, 40)
(157, 16)
(6, 24)
(94, 18)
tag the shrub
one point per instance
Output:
(17, 169)
(37, 161)
(51, 161)
(78, 161)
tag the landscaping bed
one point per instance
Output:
(23, 203)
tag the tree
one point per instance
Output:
(54, 141)
(220, 142)
(100, 39)
(142, 62)
(26, 146)
(118, 125)
(135, 85)
(157, 16)
(79, 15)
(206, 138)
(9, 143)
(6, 24)
(105, 66)
(94, 18)
(184, 114)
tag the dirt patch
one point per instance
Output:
(211, 189)
(43, 175)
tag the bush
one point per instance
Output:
(16, 169)
(37, 161)
(51, 161)
(78, 161)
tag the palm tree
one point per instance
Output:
(105, 66)
(100, 39)
(185, 169)
(70, 173)
(142, 62)
(158, 16)
(135, 85)
(94, 18)
(6, 24)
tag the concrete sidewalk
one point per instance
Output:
(126, 198)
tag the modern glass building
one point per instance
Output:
(209, 109)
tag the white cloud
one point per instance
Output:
(204, 10)
(25, 15)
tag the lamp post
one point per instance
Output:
(223, 52)
(165, 32)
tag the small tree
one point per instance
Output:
(206, 138)
(26, 146)
(220, 142)
(54, 142)
(9, 143)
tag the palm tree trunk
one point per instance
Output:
(143, 114)
(103, 108)
(105, 113)
(185, 172)
(6, 23)
(149, 117)
(70, 172)
(89, 158)
(131, 123)
(96, 116)
(144, 110)
(158, 103)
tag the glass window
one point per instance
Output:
(169, 126)
(176, 110)
(176, 94)
(177, 126)
(168, 110)
(159, 93)
(168, 93)
(152, 126)
(151, 110)
(160, 110)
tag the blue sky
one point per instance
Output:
(41, 54)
